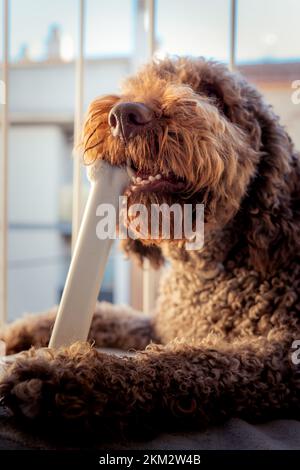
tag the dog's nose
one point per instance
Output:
(128, 119)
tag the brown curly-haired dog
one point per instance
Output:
(227, 315)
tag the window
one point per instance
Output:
(268, 54)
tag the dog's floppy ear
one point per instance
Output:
(272, 227)
(269, 215)
(141, 251)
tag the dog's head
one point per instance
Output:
(188, 130)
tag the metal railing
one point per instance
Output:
(4, 167)
(78, 118)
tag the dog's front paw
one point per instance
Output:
(31, 330)
(44, 384)
(81, 389)
(26, 383)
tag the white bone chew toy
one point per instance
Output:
(89, 259)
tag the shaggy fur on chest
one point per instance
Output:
(201, 296)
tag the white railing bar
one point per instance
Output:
(78, 118)
(149, 275)
(233, 34)
(4, 166)
(151, 27)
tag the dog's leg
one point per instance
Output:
(29, 330)
(163, 387)
(120, 326)
(114, 326)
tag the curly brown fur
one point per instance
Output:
(227, 314)
(113, 326)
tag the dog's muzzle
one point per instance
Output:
(129, 119)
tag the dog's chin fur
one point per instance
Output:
(210, 158)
